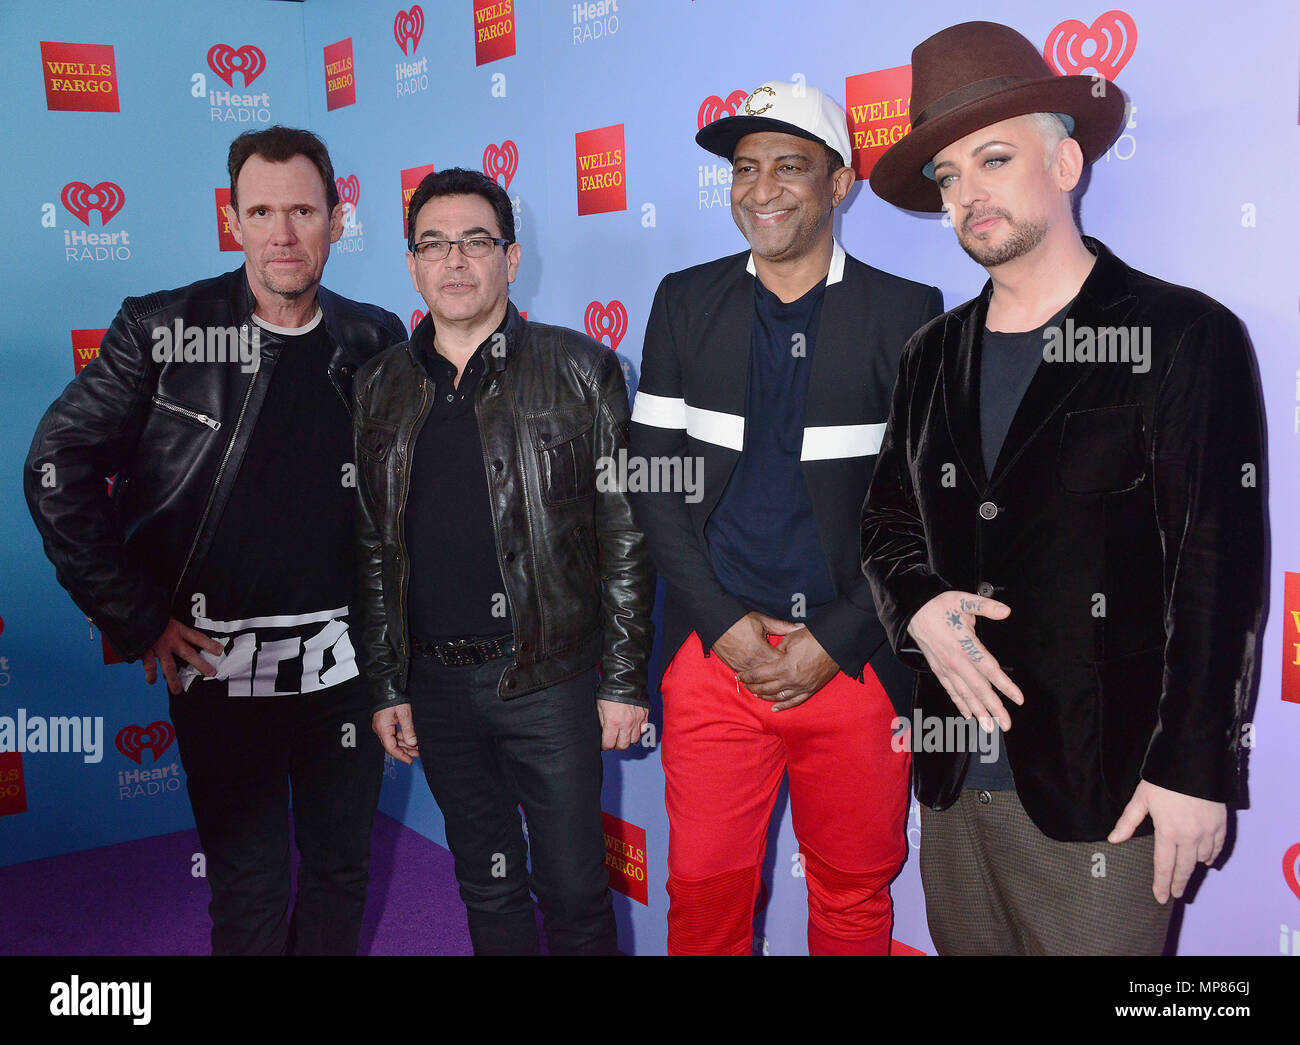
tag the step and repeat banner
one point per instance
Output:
(118, 121)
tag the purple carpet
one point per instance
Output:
(140, 898)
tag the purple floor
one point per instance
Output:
(140, 898)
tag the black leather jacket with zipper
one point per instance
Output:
(552, 403)
(173, 433)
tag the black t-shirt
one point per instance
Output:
(456, 588)
(278, 579)
(762, 535)
(1008, 362)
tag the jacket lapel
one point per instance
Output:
(961, 388)
(1102, 301)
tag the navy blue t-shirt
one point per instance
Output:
(762, 536)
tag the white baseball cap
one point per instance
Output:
(787, 108)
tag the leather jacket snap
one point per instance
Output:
(174, 435)
(578, 578)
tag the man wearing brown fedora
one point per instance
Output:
(1065, 532)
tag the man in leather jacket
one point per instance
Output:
(505, 615)
(223, 555)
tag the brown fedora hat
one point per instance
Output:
(975, 74)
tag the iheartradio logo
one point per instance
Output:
(500, 162)
(156, 737)
(107, 197)
(349, 190)
(408, 26)
(1106, 45)
(225, 61)
(607, 321)
(1291, 868)
(416, 316)
(714, 108)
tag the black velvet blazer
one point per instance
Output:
(1124, 524)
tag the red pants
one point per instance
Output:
(724, 751)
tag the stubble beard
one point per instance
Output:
(1024, 237)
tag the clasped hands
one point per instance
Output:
(786, 674)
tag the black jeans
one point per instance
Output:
(483, 757)
(240, 756)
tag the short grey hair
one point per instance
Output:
(1051, 128)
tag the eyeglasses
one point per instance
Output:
(470, 246)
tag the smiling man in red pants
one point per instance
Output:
(772, 370)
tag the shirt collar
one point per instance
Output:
(833, 275)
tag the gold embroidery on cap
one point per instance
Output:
(749, 102)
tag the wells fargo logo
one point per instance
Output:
(79, 77)
(225, 61)
(715, 108)
(225, 238)
(602, 171)
(1104, 47)
(340, 83)
(625, 858)
(408, 27)
(494, 30)
(500, 162)
(411, 178)
(156, 738)
(13, 791)
(107, 197)
(879, 107)
(606, 321)
(1291, 644)
(85, 347)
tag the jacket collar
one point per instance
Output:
(421, 342)
(1104, 299)
(833, 276)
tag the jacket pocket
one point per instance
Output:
(198, 417)
(376, 439)
(1102, 450)
(562, 441)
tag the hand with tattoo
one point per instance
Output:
(944, 630)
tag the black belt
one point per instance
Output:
(466, 652)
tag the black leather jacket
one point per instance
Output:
(174, 435)
(577, 574)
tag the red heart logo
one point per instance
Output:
(501, 160)
(416, 316)
(607, 320)
(1105, 46)
(156, 737)
(349, 189)
(1291, 868)
(81, 199)
(225, 61)
(409, 25)
(714, 108)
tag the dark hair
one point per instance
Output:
(457, 181)
(279, 145)
(833, 160)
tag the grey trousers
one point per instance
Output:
(995, 884)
